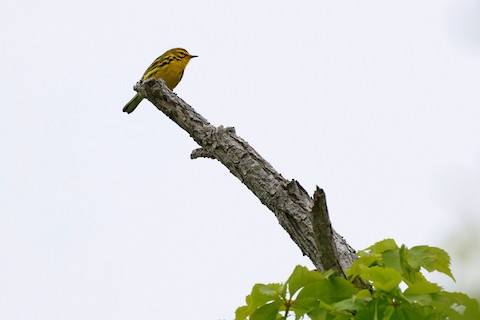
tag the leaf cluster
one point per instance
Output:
(398, 290)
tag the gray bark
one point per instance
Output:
(287, 199)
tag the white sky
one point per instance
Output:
(104, 216)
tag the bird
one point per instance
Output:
(169, 67)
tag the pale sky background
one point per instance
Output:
(104, 216)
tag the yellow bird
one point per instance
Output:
(169, 67)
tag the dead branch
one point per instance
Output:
(287, 199)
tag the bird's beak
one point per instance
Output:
(191, 56)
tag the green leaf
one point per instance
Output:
(472, 310)
(300, 277)
(267, 312)
(430, 258)
(318, 314)
(421, 299)
(248, 299)
(385, 279)
(359, 265)
(411, 274)
(422, 293)
(348, 305)
(382, 246)
(391, 259)
(343, 316)
(242, 313)
(414, 311)
(258, 297)
(387, 314)
(271, 290)
(363, 294)
(327, 291)
(423, 287)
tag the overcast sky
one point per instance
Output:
(104, 216)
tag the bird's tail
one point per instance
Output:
(132, 104)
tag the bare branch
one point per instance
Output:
(290, 203)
